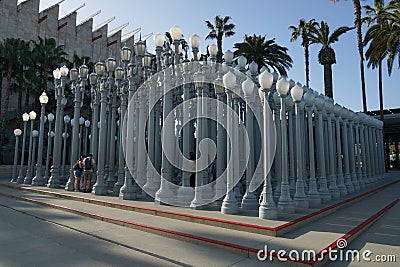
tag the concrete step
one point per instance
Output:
(344, 224)
(246, 221)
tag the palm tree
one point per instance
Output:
(303, 29)
(46, 56)
(326, 56)
(360, 45)
(377, 37)
(13, 57)
(218, 30)
(265, 53)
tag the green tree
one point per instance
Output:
(360, 45)
(303, 30)
(13, 54)
(218, 30)
(265, 52)
(326, 56)
(377, 37)
(46, 56)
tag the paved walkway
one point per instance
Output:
(31, 230)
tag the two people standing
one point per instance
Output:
(84, 167)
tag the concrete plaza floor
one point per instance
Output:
(37, 235)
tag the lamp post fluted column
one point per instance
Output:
(340, 178)
(249, 201)
(186, 192)
(300, 198)
(313, 194)
(69, 186)
(28, 176)
(121, 89)
(354, 152)
(331, 150)
(164, 194)
(267, 208)
(285, 203)
(38, 179)
(198, 199)
(345, 147)
(229, 204)
(17, 133)
(54, 180)
(94, 133)
(323, 185)
(20, 178)
(100, 187)
(292, 151)
(111, 162)
(50, 134)
(127, 190)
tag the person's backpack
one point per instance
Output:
(87, 163)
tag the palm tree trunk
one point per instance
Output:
(219, 45)
(328, 80)
(380, 87)
(357, 22)
(307, 57)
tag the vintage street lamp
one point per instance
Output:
(17, 133)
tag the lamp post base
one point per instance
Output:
(37, 181)
(185, 195)
(286, 206)
(99, 189)
(164, 195)
(301, 202)
(249, 201)
(314, 199)
(267, 212)
(229, 204)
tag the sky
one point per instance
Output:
(261, 17)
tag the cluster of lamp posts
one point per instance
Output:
(300, 146)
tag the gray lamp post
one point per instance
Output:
(164, 194)
(81, 122)
(28, 177)
(128, 191)
(38, 179)
(100, 187)
(249, 201)
(332, 174)
(221, 134)
(20, 179)
(300, 198)
(50, 135)
(35, 134)
(345, 145)
(323, 186)
(198, 201)
(313, 194)
(85, 144)
(17, 133)
(75, 129)
(340, 178)
(267, 209)
(65, 136)
(121, 89)
(229, 204)
(292, 150)
(285, 203)
(62, 73)
(110, 119)
(94, 140)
